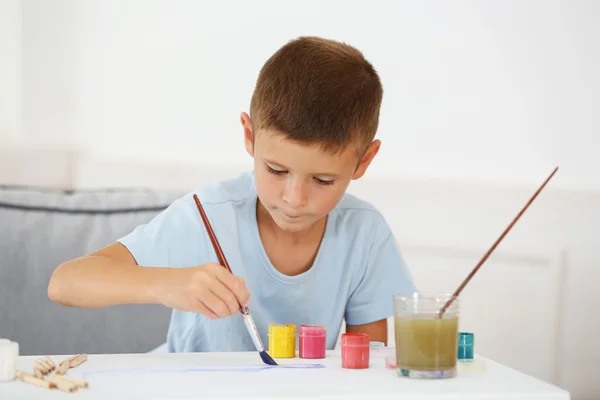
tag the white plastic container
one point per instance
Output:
(9, 352)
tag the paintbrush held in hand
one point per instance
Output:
(248, 320)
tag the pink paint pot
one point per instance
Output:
(355, 350)
(312, 341)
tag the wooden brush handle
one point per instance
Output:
(215, 243)
(487, 254)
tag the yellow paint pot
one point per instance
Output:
(282, 340)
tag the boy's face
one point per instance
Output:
(299, 184)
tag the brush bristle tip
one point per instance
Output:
(267, 358)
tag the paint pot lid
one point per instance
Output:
(282, 329)
(9, 349)
(355, 339)
(466, 338)
(312, 330)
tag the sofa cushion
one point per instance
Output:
(42, 228)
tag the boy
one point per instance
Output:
(302, 251)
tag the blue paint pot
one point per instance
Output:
(466, 345)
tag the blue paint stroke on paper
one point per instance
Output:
(241, 368)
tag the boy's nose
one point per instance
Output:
(295, 193)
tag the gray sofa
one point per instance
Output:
(41, 228)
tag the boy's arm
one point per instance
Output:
(371, 302)
(106, 277)
(120, 273)
(156, 263)
(111, 276)
(377, 331)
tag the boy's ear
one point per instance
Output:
(367, 158)
(248, 135)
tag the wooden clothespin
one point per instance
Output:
(70, 362)
(25, 377)
(43, 366)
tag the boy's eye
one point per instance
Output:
(274, 171)
(323, 182)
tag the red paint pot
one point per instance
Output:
(355, 350)
(312, 341)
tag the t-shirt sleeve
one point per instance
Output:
(171, 239)
(385, 274)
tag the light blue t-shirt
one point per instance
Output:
(357, 269)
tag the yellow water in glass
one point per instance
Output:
(426, 344)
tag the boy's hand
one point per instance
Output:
(209, 289)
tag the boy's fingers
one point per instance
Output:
(244, 298)
(202, 309)
(223, 293)
(215, 304)
(236, 285)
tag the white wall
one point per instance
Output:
(10, 71)
(482, 100)
(468, 85)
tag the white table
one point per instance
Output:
(219, 376)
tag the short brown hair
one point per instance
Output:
(316, 90)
